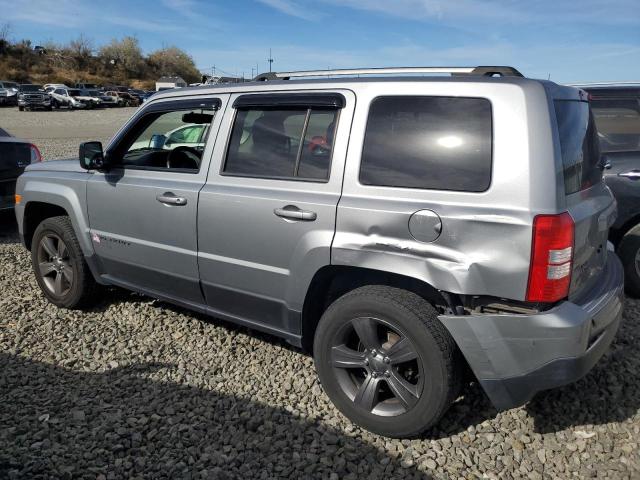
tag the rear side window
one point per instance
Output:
(578, 145)
(618, 122)
(288, 143)
(440, 143)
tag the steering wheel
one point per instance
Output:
(183, 157)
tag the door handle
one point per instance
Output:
(632, 174)
(168, 198)
(292, 212)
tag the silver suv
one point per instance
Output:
(399, 227)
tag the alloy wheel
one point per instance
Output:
(54, 265)
(377, 367)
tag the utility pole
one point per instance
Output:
(270, 60)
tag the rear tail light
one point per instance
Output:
(35, 154)
(551, 258)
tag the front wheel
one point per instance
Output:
(21, 109)
(386, 361)
(629, 252)
(59, 265)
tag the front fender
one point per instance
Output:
(71, 196)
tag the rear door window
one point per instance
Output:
(286, 143)
(618, 122)
(578, 144)
(441, 143)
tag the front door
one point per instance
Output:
(267, 212)
(143, 210)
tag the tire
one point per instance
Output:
(629, 252)
(414, 376)
(21, 109)
(77, 285)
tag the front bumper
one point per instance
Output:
(34, 103)
(516, 356)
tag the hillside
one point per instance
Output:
(120, 62)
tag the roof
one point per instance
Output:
(344, 83)
(171, 80)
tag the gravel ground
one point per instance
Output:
(136, 388)
(58, 133)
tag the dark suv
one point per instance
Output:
(616, 108)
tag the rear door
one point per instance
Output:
(588, 200)
(14, 157)
(267, 212)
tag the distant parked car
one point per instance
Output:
(124, 99)
(114, 98)
(32, 96)
(48, 86)
(134, 92)
(118, 88)
(70, 98)
(105, 100)
(616, 109)
(8, 93)
(15, 155)
(146, 95)
(87, 86)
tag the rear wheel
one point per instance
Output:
(59, 265)
(386, 361)
(629, 252)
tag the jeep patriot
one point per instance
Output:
(405, 229)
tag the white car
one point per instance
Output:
(70, 98)
(191, 135)
(53, 86)
(8, 93)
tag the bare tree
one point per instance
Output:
(5, 32)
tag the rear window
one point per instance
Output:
(618, 122)
(578, 145)
(440, 143)
(13, 155)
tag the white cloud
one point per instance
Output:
(289, 7)
(452, 11)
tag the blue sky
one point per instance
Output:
(581, 40)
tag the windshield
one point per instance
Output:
(93, 93)
(30, 88)
(74, 93)
(10, 84)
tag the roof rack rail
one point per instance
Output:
(487, 71)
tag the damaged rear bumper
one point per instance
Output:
(516, 356)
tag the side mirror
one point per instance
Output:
(91, 155)
(157, 141)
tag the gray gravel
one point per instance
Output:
(136, 388)
(58, 133)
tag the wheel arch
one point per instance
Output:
(333, 281)
(618, 234)
(50, 201)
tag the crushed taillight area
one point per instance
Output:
(551, 258)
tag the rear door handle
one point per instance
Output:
(632, 174)
(168, 198)
(292, 212)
